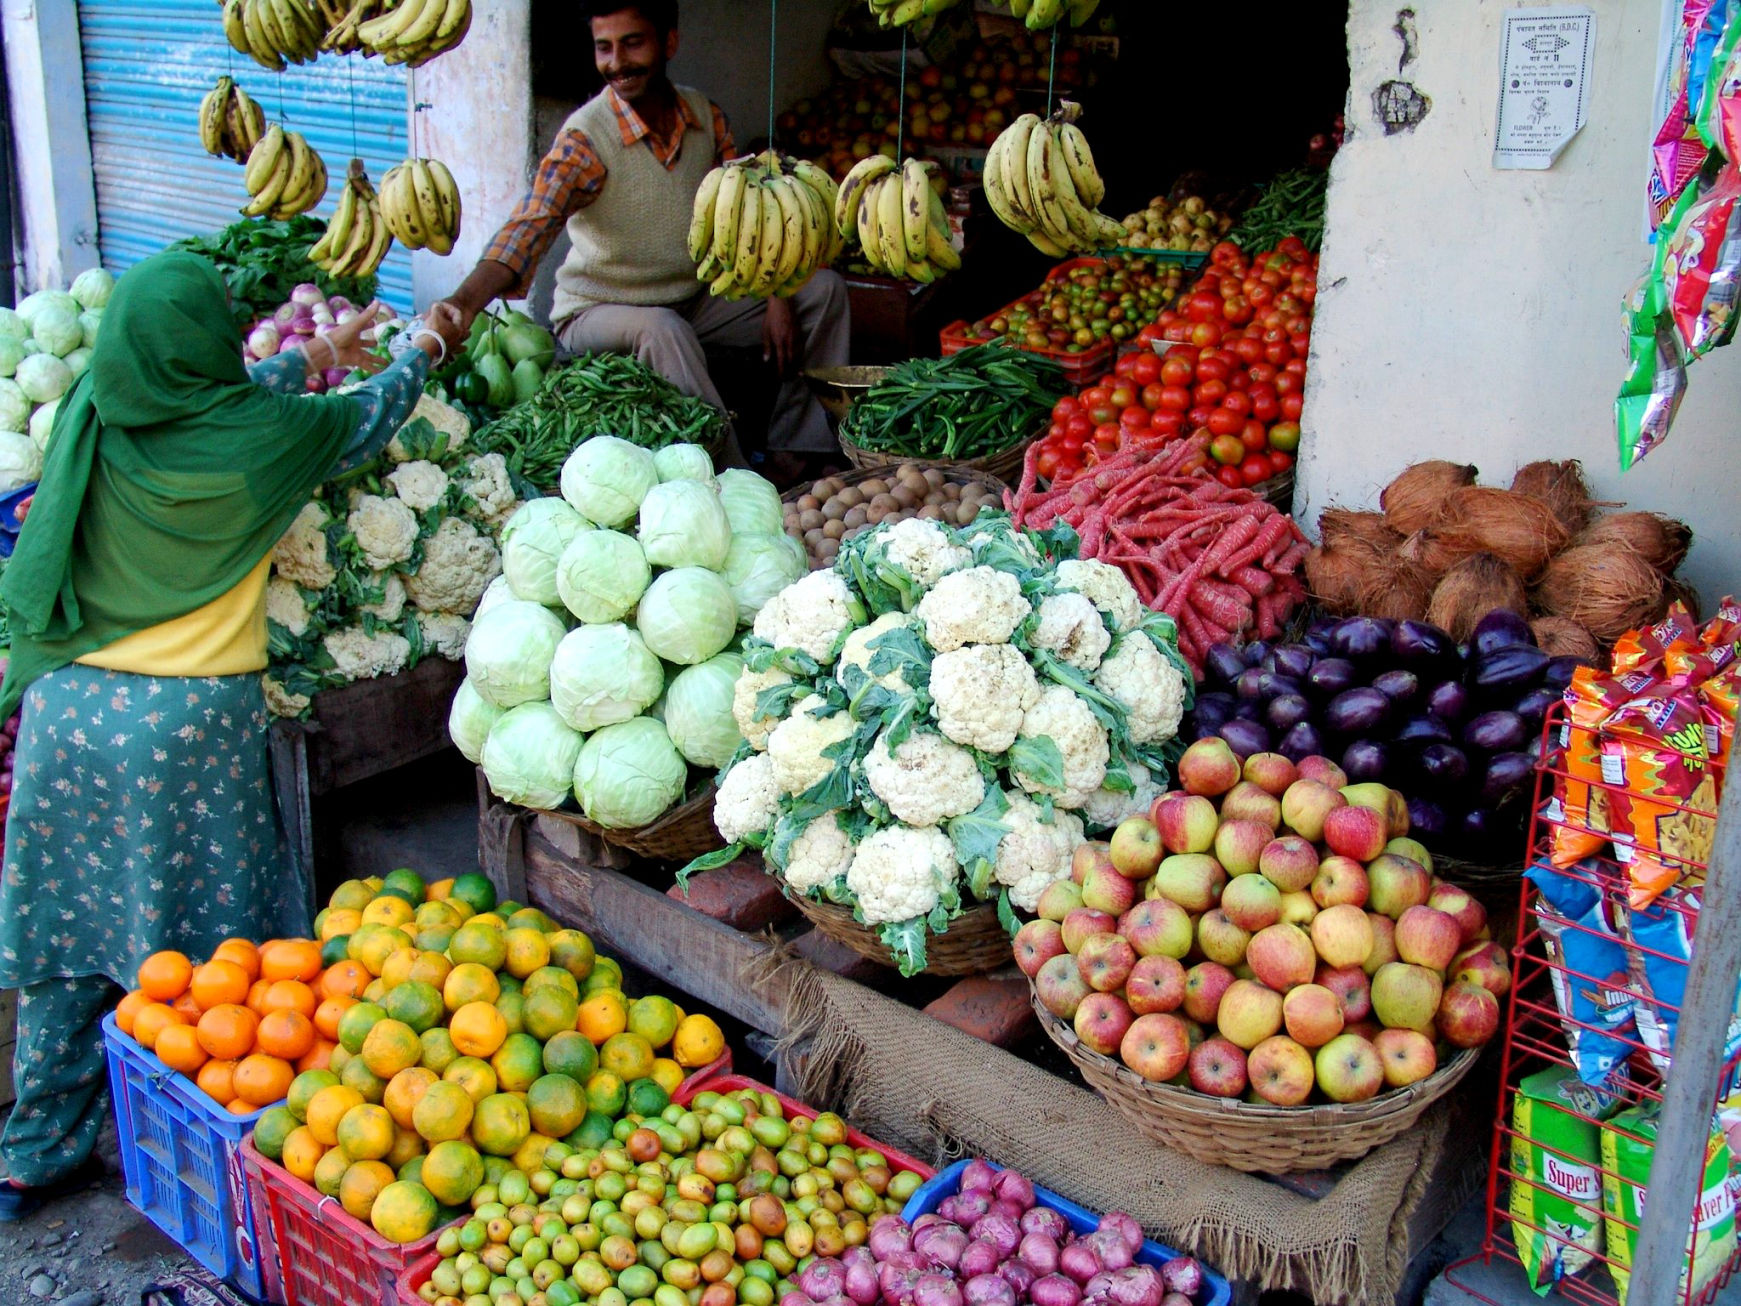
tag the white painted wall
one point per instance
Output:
(1474, 314)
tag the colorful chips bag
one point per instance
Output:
(1556, 1189)
(1656, 378)
(1663, 937)
(1580, 816)
(1628, 1142)
(1702, 267)
(1591, 976)
(1657, 749)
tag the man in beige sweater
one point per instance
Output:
(622, 175)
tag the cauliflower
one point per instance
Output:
(420, 485)
(486, 484)
(1147, 685)
(1105, 808)
(976, 606)
(857, 651)
(357, 656)
(1067, 721)
(444, 633)
(458, 565)
(1070, 626)
(385, 529)
(820, 854)
(810, 615)
(300, 554)
(286, 606)
(901, 872)
(280, 701)
(925, 780)
(1034, 854)
(445, 419)
(923, 550)
(744, 693)
(979, 694)
(392, 604)
(994, 535)
(1105, 586)
(748, 799)
(796, 744)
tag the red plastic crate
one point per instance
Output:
(1080, 369)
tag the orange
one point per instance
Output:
(178, 1048)
(263, 1079)
(228, 1031)
(302, 1152)
(389, 1047)
(469, 982)
(404, 1091)
(257, 992)
(404, 1212)
(699, 1041)
(164, 976)
(238, 1107)
(129, 1008)
(361, 1185)
(344, 979)
(337, 922)
(431, 968)
(243, 953)
(477, 1029)
(443, 1112)
(152, 1020)
(290, 995)
(603, 1014)
(331, 1172)
(285, 1033)
(318, 1057)
(188, 1008)
(216, 1079)
(628, 1056)
(476, 1077)
(290, 959)
(366, 1132)
(217, 983)
(327, 1014)
(500, 1124)
(326, 1108)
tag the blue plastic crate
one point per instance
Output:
(180, 1156)
(947, 1183)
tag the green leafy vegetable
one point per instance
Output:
(973, 404)
(263, 261)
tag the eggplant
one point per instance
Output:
(1360, 711)
(1557, 674)
(1400, 687)
(1480, 827)
(1323, 627)
(1443, 764)
(1499, 629)
(1496, 732)
(1426, 818)
(1245, 737)
(1249, 709)
(1255, 652)
(1361, 637)
(1365, 759)
(1223, 663)
(1302, 741)
(1507, 774)
(1319, 644)
(1448, 701)
(1330, 676)
(1212, 711)
(1533, 706)
(1286, 711)
(1420, 645)
(1250, 684)
(1517, 667)
(1422, 730)
(1293, 660)
(1272, 684)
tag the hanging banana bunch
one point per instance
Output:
(357, 236)
(898, 13)
(761, 226)
(343, 20)
(284, 175)
(1041, 14)
(1041, 180)
(274, 33)
(231, 121)
(421, 205)
(897, 217)
(415, 31)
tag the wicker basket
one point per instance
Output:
(1243, 1136)
(1006, 465)
(952, 474)
(973, 944)
(1278, 491)
(680, 835)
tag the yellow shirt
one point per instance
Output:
(226, 637)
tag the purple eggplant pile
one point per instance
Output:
(1454, 728)
(8, 740)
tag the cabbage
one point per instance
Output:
(29, 346)
(601, 575)
(78, 362)
(33, 305)
(628, 774)
(757, 567)
(12, 327)
(11, 355)
(88, 325)
(92, 288)
(14, 407)
(683, 524)
(752, 505)
(605, 479)
(20, 461)
(43, 377)
(42, 425)
(602, 675)
(698, 711)
(687, 615)
(529, 755)
(532, 541)
(496, 592)
(57, 331)
(684, 462)
(508, 652)
(469, 720)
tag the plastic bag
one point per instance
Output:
(1702, 268)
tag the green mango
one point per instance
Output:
(527, 377)
(494, 369)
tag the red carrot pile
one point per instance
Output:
(1219, 561)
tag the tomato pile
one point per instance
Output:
(1234, 368)
(1084, 307)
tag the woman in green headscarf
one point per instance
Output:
(142, 816)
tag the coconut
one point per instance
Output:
(1662, 541)
(1426, 550)
(1561, 486)
(1607, 588)
(1335, 525)
(1393, 587)
(1470, 590)
(1416, 498)
(1520, 529)
(1561, 637)
(1337, 573)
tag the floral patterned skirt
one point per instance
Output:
(142, 818)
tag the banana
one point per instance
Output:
(1046, 245)
(866, 229)
(428, 203)
(915, 185)
(852, 190)
(263, 159)
(1080, 222)
(448, 195)
(382, 33)
(749, 245)
(338, 228)
(301, 169)
(454, 20)
(1090, 189)
(769, 248)
(819, 233)
(235, 30)
(722, 284)
(410, 215)
(1080, 12)
(362, 236)
(267, 196)
(996, 190)
(211, 115)
(1042, 187)
(1015, 141)
(244, 122)
(793, 225)
(425, 25)
(939, 249)
(890, 198)
(727, 211)
(257, 45)
(905, 12)
(1020, 7)
(1045, 13)
(701, 216)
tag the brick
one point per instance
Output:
(739, 894)
(825, 954)
(988, 1007)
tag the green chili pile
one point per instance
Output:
(973, 404)
(1292, 204)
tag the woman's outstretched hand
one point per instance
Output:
(347, 346)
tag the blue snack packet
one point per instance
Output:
(1666, 927)
(1591, 977)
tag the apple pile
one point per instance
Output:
(1267, 930)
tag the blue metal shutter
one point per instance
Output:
(148, 62)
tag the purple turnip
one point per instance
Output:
(890, 1234)
(307, 293)
(997, 1228)
(336, 376)
(1183, 1274)
(941, 1244)
(1080, 1262)
(978, 1176)
(1137, 1285)
(1127, 1228)
(981, 1257)
(1013, 1187)
(988, 1290)
(824, 1277)
(1018, 1275)
(936, 1290)
(1043, 1219)
(1055, 1290)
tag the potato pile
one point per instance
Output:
(833, 511)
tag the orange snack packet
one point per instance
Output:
(1591, 699)
(1658, 749)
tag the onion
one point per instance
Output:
(861, 1276)
(1019, 1276)
(981, 1257)
(1183, 1274)
(1054, 1290)
(1043, 1219)
(1000, 1230)
(1176, 1299)
(1137, 1285)
(988, 1290)
(965, 1207)
(1040, 1251)
(1109, 1246)
(1004, 1206)
(941, 1244)
(336, 376)
(1013, 1187)
(936, 1290)
(890, 1234)
(896, 1283)
(1080, 1262)
(1127, 1228)
(1098, 1288)
(978, 1176)
(824, 1277)
(927, 1220)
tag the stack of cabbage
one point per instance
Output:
(941, 717)
(386, 565)
(604, 668)
(45, 345)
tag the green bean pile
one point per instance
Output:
(973, 404)
(1291, 205)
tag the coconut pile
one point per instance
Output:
(1446, 550)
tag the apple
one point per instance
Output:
(1383, 943)
(1312, 1014)
(1413, 849)
(1104, 889)
(1219, 939)
(1101, 1022)
(1428, 937)
(1349, 1069)
(1217, 1067)
(1158, 927)
(1306, 805)
(1270, 772)
(1186, 823)
(1193, 880)
(1340, 881)
(1468, 1015)
(1036, 943)
(1249, 802)
(1298, 908)
(1087, 856)
(1156, 1046)
(1469, 913)
(1406, 996)
(1342, 935)
(1357, 832)
(1251, 902)
(1289, 863)
(1105, 961)
(1368, 1029)
(1060, 986)
(1136, 848)
(1370, 794)
(1209, 767)
(1280, 1070)
(1058, 900)
(1322, 770)
(1396, 883)
(1406, 1055)
(1156, 984)
(1081, 923)
(1239, 845)
(1249, 1013)
(1282, 956)
(1485, 964)
(1206, 984)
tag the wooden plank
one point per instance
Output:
(371, 727)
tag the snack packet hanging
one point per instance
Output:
(1628, 1143)
(1591, 976)
(1578, 815)
(1656, 378)
(1657, 751)
(1677, 152)
(1556, 1188)
(1717, 116)
(1702, 269)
